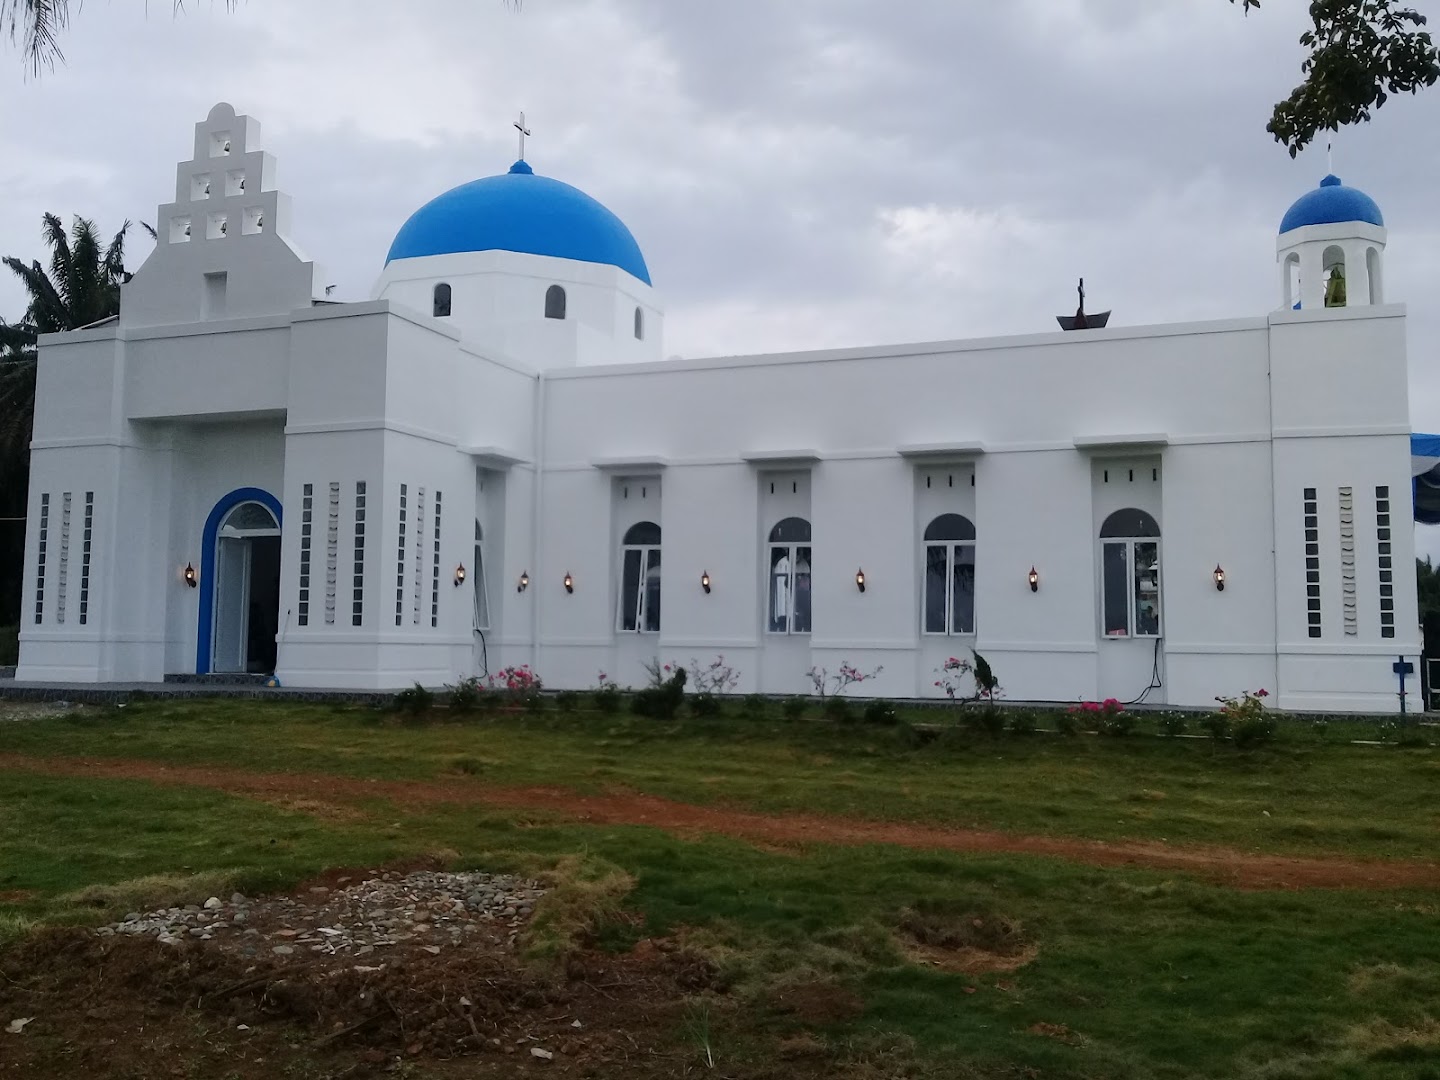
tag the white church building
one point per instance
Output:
(491, 463)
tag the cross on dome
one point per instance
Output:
(520, 127)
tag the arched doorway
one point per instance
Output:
(240, 580)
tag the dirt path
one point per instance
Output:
(326, 794)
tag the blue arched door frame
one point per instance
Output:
(207, 564)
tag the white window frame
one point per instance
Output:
(642, 591)
(1133, 597)
(950, 547)
(790, 551)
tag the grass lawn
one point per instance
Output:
(1115, 973)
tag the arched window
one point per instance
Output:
(555, 302)
(1372, 264)
(440, 305)
(482, 595)
(640, 579)
(950, 575)
(639, 325)
(1333, 262)
(788, 586)
(1130, 574)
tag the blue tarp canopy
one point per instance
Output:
(1425, 466)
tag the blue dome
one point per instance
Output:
(1331, 204)
(522, 212)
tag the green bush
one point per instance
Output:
(1022, 722)
(1217, 724)
(985, 719)
(1116, 723)
(705, 705)
(534, 701)
(466, 696)
(881, 712)
(416, 700)
(9, 646)
(607, 700)
(795, 708)
(1068, 722)
(755, 706)
(1251, 731)
(837, 710)
(661, 702)
(1173, 723)
(566, 701)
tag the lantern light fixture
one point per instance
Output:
(460, 575)
(1219, 578)
(705, 581)
(191, 578)
(524, 581)
(1034, 578)
(569, 582)
(860, 580)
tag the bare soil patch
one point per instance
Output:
(124, 1004)
(1238, 869)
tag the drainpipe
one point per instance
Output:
(537, 496)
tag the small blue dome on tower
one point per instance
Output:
(519, 211)
(1331, 204)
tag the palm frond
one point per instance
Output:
(47, 310)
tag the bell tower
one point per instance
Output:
(1331, 249)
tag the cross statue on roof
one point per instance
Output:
(520, 127)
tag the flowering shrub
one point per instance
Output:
(954, 672)
(1244, 719)
(607, 694)
(827, 685)
(662, 700)
(467, 695)
(717, 677)
(518, 684)
(1107, 717)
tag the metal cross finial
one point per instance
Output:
(1082, 295)
(520, 127)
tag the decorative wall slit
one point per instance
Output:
(1347, 561)
(400, 563)
(435, 570)
(1312, 563)
(40, 559)
(65, 501)
(85, 557)
(357, 600)
(1386, 562)
(419, 553)
(332, 553)
(307, 516)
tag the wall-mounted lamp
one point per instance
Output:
(1034, 578)
(460, 575)
(569, 583)
(191, 578)
(1219, 578)
(860, 580)
(705, 581)
(524, 581)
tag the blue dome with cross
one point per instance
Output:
(519, 211)
(1332, 203)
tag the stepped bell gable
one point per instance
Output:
(487, 464)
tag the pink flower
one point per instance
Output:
(1262, 693)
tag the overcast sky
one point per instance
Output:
(799, 174)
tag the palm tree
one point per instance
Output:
(81, 287)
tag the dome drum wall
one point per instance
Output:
(498, 302)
